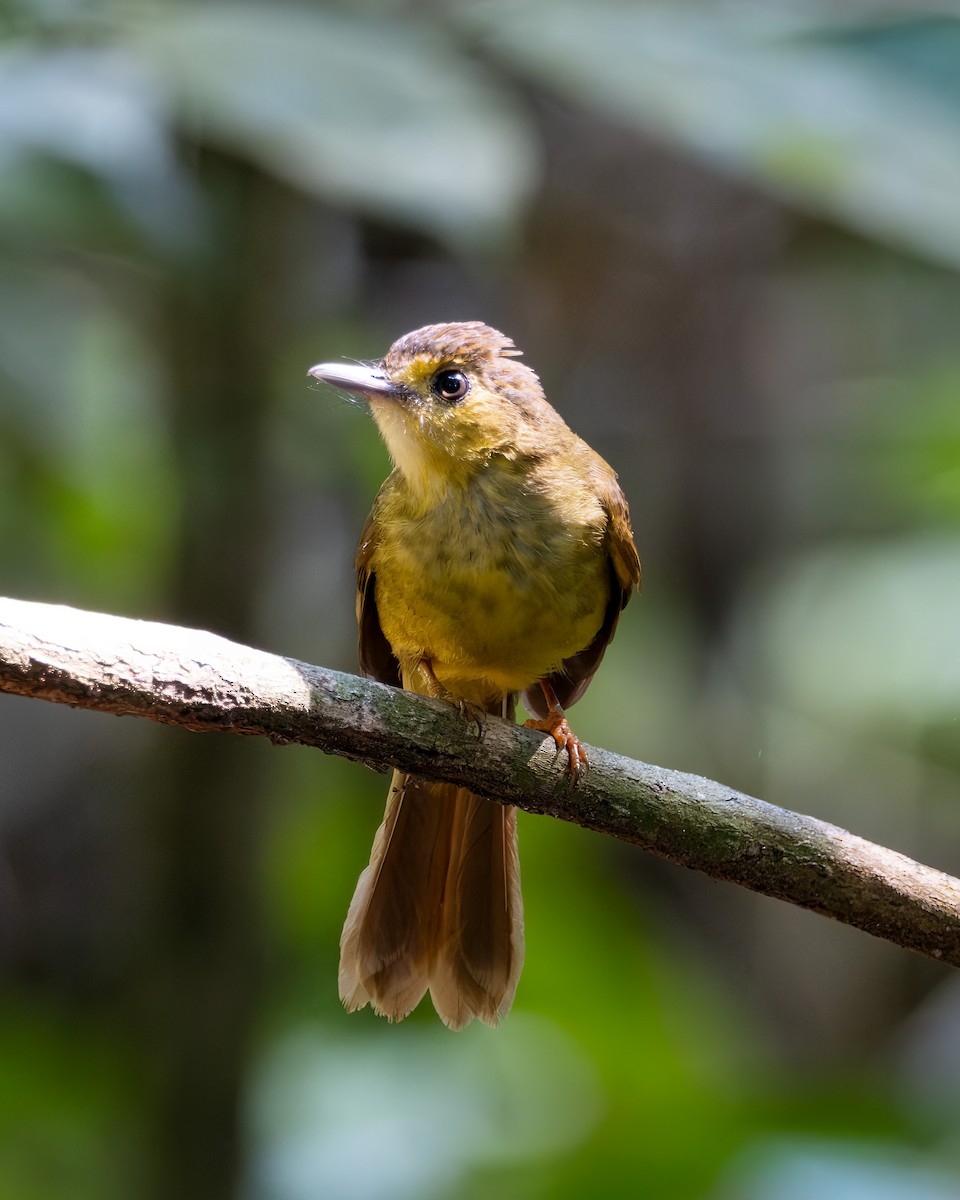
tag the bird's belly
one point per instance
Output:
(492, 614)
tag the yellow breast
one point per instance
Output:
(494, 584)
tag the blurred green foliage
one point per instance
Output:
(727, 236)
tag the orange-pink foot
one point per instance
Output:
(556, 725)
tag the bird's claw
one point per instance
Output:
(559, 729)
(472, 713)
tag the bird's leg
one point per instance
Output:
(555, 723)
(472, 713)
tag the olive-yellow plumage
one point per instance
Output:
(495, 562)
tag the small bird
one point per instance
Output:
(495, 564)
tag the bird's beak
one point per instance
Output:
(364, 380)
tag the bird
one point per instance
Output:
(494, 564)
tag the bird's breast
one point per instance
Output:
(495, 585)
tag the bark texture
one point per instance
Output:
(205, 683)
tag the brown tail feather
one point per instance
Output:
(390, 934)
(481, 939)
(438, 907)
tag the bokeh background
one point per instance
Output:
(728, 238)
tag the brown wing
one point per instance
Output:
(570, 682)
(376, 657)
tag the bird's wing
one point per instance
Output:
(376, 658)
(621, 547)
(571, 680)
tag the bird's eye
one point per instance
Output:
(450, 386)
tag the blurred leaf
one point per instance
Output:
(98, 110)
(841, 132)
(83, 440)
(860, 634)
(433, 1105)
(923, 48)
(386, 116)
(916, 457)
(796, 1169)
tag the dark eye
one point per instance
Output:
(450, 386)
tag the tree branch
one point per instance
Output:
(203, 682)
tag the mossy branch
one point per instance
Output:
(205, 683)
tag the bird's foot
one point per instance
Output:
(556, 724)
(472, 713)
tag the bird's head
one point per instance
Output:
(447, 398)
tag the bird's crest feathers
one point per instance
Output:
(461, 341)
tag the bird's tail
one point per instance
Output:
(439, 907)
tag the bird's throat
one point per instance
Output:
(426, 469)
